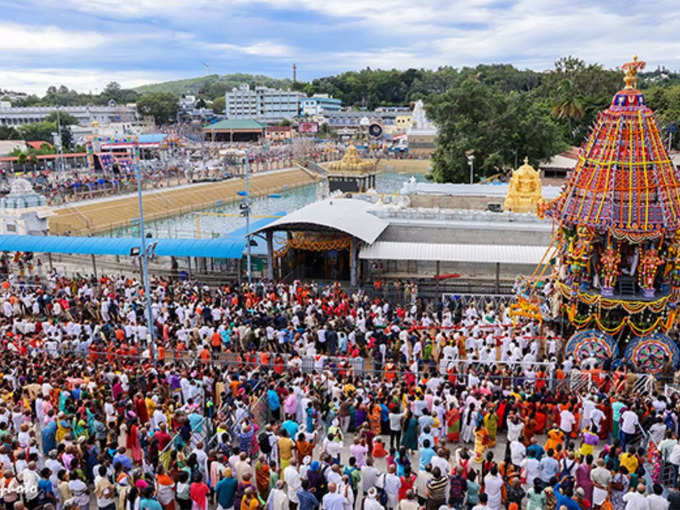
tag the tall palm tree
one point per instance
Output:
(567, 103)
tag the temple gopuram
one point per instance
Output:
(616, 248)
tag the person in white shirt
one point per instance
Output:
(333, 500)
(493, 484)
(293, 481)
(656, 500)
(277, 497)
(629, 424)
(392, 485)
(515, 427)
(636, 500)
(531, 466)
(567, 421)
(371, 501)
(517, 452)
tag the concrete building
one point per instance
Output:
(7, 146)
(234, 130)
(263, 104)
(402, 122)
(356, 240)
(392, 122)
(319, 104)
(23, 211)
(85, 115)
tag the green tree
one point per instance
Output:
(9, 133)
(493, 126)
(66, 138)
(38, 131)
(162, 106)
(219, 104)
(65, 119)
(568, 104)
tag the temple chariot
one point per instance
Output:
(615, 257)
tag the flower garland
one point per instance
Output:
(315, 242)
(660, 323)
(633, 307)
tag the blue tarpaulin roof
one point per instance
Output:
(229, 248)
(254, 225)
(261, 246)
(221, 248)
(152, 138)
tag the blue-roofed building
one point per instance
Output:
(319, 104)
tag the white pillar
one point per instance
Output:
(353, 266)
(270, 255)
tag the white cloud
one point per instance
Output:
(46, 39)
(258, 49)
(134, 8)
(401, 34)
(36, 81)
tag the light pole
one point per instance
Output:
(247, 210)
(471, 162)
(59, 163)
(144, 253)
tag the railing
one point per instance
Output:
(671, 390)
(59, 227)
(479, 301)
(580, 381)
(644, 384)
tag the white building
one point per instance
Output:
(23, 211)
(263, 104)
(85, 115)
(319, 104)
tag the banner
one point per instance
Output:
(308, 127)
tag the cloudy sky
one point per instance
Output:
(86, 43)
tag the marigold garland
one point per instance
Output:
(313, 241)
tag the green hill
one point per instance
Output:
(213, 85)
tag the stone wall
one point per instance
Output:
(453, 202)
(502, 234)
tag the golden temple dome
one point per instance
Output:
(525, 191)
(351, 163)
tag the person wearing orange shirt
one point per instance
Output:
(555, 437)
(204, 355)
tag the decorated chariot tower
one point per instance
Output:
(616, 264)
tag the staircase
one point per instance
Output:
(313, 168)
(627, 286)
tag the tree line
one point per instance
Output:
(498, 113)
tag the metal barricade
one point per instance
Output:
(307, 365)
(357, 365)
(479, 301)
(580, 381)
(671, 389)
(644, 384)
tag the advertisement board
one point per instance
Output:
(308, 127)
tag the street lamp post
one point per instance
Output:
(144, 253)
(247, 209)
(58, 163)
(471, 162)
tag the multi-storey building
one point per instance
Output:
(319, 104)
(263, 104)
(86, 115)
